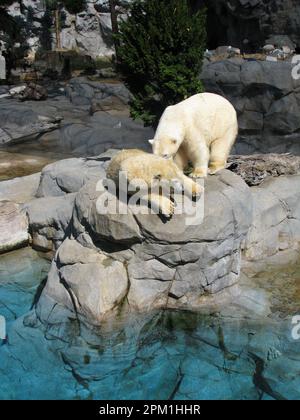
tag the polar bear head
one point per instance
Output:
(166, 147)
(169, 134)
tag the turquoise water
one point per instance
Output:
(162, 355)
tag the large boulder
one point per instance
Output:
(69, 175)
(81, 90)
(151, 262)
(276, 222)
(49, 220)
(266, 97)
(20, 190)
(104, 131)
(19, 123)
(85, 281)
(13, 227)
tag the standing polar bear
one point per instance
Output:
(200, 130)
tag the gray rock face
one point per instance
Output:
(85, 91)
(88, 31)
(103, 132)
(266, 98)
(68, 176)
(20, 190)
(276, 221)
(49, 220)
(20, 123)
(158, 265)
(87, 282)
(13, 227)
(95, 117)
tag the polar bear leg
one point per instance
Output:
(190, 186)
(220, 150)
(181, 159)
(199, 155)
(161, 204)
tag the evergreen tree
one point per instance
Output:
(160, 53)
(13, 36)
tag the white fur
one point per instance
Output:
(141, 166)
(200, 130)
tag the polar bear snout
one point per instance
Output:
(165, 147)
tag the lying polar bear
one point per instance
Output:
(200, 130)
(146, 167)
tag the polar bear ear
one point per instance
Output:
(151, 142)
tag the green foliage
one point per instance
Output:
(14, 31)
(160, 55)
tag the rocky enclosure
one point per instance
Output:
(106, 263)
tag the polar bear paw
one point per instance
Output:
(199, 173)
(167, 208)
(197, 190)
(215, 167)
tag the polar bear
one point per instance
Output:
(200, 130)
(148, 168)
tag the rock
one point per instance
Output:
(268, 48)
(279, 54)
(266, 98)
(282, 41)
(107, 262)
(78, 133)
(276, 221)
(18, 90)
(104, 132)
(87, 282)
(68, 176)
(115, 228)
(20, 123)
(222, 50)
(49, 220)
(85, 88)
(20, 190)
(255, 169)
(34, 92)
(13, 227)
(286, 50)
(2, 67)
(88, 31)
(172, 265)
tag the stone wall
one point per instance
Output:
(267, 99)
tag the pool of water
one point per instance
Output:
(163, 355)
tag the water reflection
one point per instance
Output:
(162, 355)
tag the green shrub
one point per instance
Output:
(160, 55)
